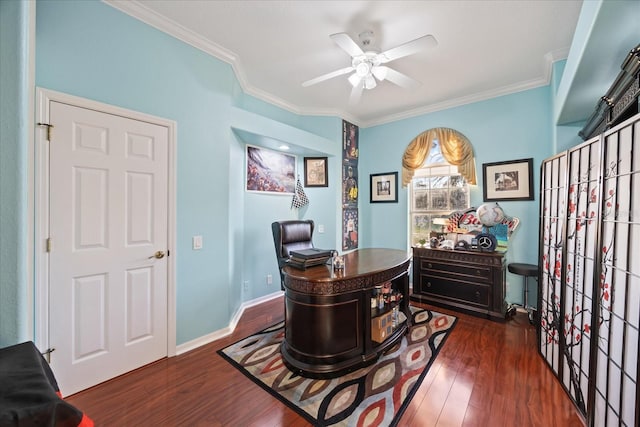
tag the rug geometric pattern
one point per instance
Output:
(376, 395)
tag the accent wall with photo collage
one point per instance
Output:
(349, 186)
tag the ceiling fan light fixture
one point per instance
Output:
(363, 69)
(369, 82)
(355, 79)
(366, 68)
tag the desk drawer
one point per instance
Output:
(458, 271)
(455, 290)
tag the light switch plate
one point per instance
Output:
(196, 242)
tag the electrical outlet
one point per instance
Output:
(321, 228)
(245, 285)
(269, 279)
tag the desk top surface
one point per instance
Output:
(361, 262)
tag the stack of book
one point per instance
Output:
(305, 258)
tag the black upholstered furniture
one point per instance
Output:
(29, 393)
(291, 235)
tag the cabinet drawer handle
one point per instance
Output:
(478, 272)
(428, 284)
(478, 295)
(429, 265)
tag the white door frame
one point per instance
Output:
(40, 164)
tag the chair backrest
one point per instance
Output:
(290, 236)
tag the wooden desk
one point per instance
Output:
(329, 316)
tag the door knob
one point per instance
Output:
(158, 255)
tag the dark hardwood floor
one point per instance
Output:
(487, 374)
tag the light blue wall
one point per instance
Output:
(564, 136)
(588, 14)
(91, 50)
(324, 126)
(506, 128)
(14, 142)
(261, 209)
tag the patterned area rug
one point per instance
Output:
(373, 396)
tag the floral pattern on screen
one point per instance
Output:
(552, 206)
(618, 286)
(589, 297)
(582, 209)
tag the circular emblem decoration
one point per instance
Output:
(487, 242)
(462, 245)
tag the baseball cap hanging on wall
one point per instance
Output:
(299, 198)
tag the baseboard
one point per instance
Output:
(221, 333)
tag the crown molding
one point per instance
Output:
(457, 102)
(142, 13)
(148, 16)
(549, 59)
(139, 11)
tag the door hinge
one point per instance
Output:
(48, 244)
(49, 127)
(47, 354)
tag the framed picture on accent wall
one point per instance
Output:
(270, 171)
(510, 180)
(316, 172)
(384, 187)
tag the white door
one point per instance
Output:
(108, 228)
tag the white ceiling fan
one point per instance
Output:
(367, 63)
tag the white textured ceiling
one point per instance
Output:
(485, 48)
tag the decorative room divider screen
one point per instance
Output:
(589, 296)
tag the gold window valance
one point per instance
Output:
(455, 147)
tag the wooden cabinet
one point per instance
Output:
(331, 326)
(473, 282)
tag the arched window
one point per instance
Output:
(439, 165)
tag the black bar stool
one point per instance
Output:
(526, 270)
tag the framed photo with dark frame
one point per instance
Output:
(510, 180)
(316, 172)
(384, 187)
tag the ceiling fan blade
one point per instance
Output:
(328, 76)
(356, 93)
(408, 48)
(380, 72)
(394, 76)
(347, 44)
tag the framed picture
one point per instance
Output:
(270, 171)
(384, 187)
(349, 229)
(315, 172)
(349, 141)
(350, 185)
(504, 181)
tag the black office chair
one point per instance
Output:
(289, 236)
